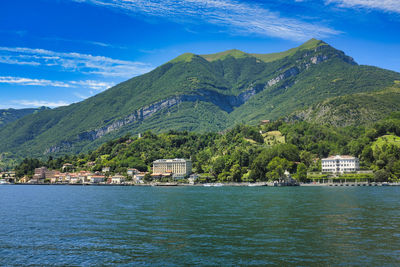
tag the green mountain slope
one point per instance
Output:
(354, 109)
(10, 115)
(197, 93)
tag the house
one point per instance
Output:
(24, 179)
(117, 179)
(132, 172)
(193, 177)
(97, 179)
(62, 178)
(105, 169)
(340, 164)
(40, 173)
(67, 167)
(84, 177)
(139, 177)
(74, 179)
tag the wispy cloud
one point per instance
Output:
(95, 85)
(240, 18)
(28, 81)
(39, 103)
(81, 96)
(88, 84)
(96, 43)
(72, 61)
(385, 5)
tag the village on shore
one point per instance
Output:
(174, 172)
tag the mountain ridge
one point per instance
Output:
(192, 93)
(10, 115)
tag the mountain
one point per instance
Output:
(353, 109)
(9, 115)
(198, 93)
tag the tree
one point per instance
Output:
(306, 158)
(301, 174)
(218, 166)
(381, 176)
(236, 173)
(396, 170)
(276, 168)
(147, 177)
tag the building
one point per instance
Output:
(132, 172)
(40, 173)
(180, 168)
(139, 177)
(75, 179)
(340, 164)
(97, 179)
(67, 167)
(117, 179)
(105, 169)
(44, 173)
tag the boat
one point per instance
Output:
(257, 184)
(3, 182)
(213, 185)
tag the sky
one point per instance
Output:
(58, 52)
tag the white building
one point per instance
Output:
(340, 164)
(180, 168)
(138, 178)
(117, 179)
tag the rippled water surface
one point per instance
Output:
(93, 225)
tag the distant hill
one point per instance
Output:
(203, 93)
(353, 109)
(9, 115)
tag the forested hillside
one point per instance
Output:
(10, 115)
(208, 93)
(245, 153)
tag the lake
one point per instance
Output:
(167, 226)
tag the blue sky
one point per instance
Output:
(57, 52)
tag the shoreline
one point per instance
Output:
(266, 184)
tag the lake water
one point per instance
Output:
(94, 225)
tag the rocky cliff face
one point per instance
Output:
(197, 94)
(224, 102)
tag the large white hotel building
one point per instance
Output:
(340, 164)
(180, 168)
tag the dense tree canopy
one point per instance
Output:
(240, 154)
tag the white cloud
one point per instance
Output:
(28, 81)
(72, 61)
(88, 84)
(242, 18)
(95, 85)
(40, 103)
(385, 5)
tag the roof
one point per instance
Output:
(171, 160)
(339, 157)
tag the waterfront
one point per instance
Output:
(90, 225)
